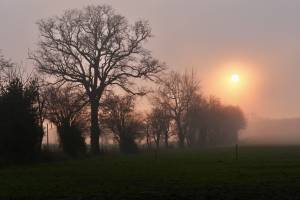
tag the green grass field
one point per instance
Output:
(260, 173)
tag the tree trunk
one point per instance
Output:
(157, 141)
(181, 141)
(40, 141)
(95, 130)
(127, 144)
(166, 139)
(148, 139)
(181, 136)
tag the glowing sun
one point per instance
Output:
(235, 78)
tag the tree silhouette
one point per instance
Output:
(199, 121)
(19, 131)
(212, 123)
(64, 107)
(233, 121)
(95, 48)
(195, 119)
(119, 116)
(159, 125)
(175, 93)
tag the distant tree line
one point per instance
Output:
(92, 59)
(180, 110)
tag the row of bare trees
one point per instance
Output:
(95, 49)
(87, 55)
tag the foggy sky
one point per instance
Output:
(200, 34)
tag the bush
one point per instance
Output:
(71, 139)
(127, 144)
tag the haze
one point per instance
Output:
(214, 37)
(222, 120)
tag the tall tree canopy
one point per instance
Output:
(95, 48)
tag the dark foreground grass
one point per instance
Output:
(260, 173)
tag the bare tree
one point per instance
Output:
(95, 48)
(176, 92)
(159, 124)
(119, 116)
(63, 104)
(195, 120)
(65, 108)
(148, 132)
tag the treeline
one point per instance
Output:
(86, 56)
(178, 107)
(179, 116)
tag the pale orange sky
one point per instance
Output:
(259, 39)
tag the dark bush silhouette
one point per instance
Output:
(64, 107)
(71, 139)
(19, 126)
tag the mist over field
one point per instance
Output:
(259, 131)
(271, 131)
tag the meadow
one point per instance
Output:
(261, 172)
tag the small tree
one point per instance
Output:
(195, 121)
(176, 92)
(64, 107)
(159, 124)
(19, 130)
(119, 116)
(233, 121)
(95, 48)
